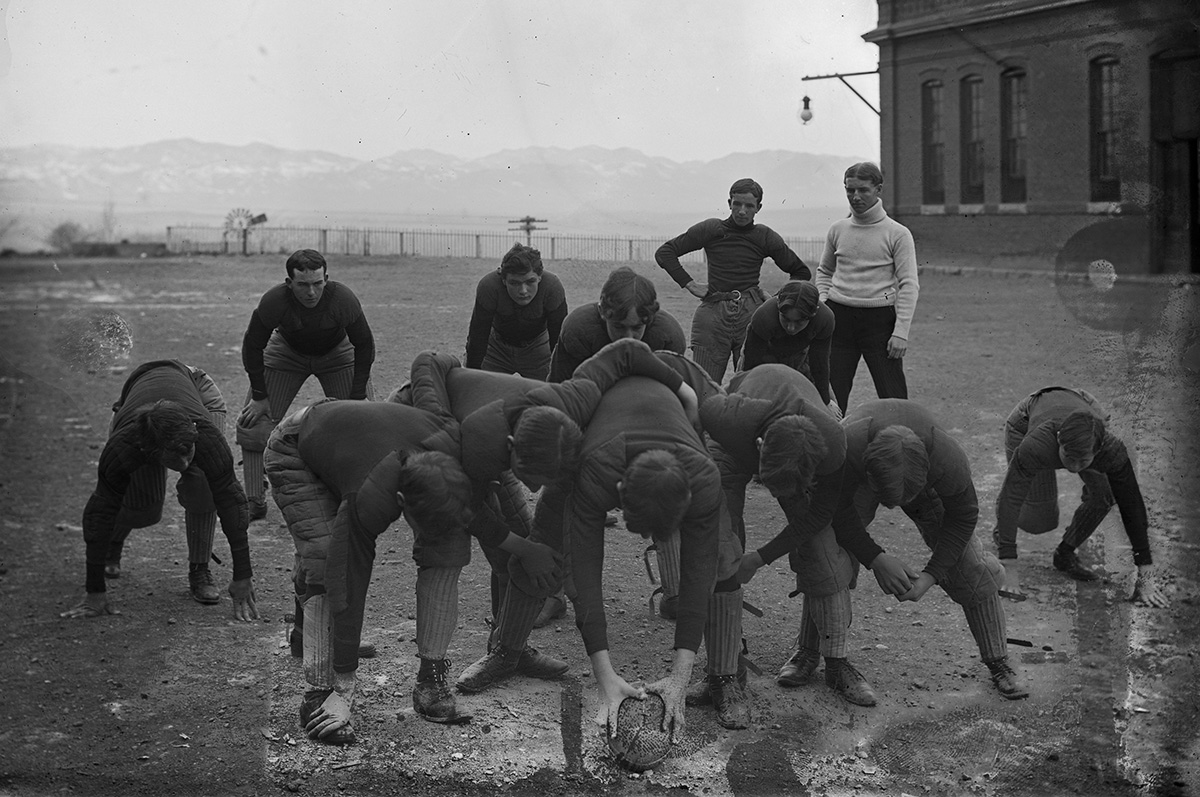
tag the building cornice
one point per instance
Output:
(972, 14)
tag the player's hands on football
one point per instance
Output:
(254, 411)
(1148, 590)
(920, 586)
(748, 566)
(93, 604)
(614, 689)
(697, 289)
(894, 577)
(835, 409)
(673, 692)
(896, 347)
(242, 593)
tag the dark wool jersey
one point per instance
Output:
(637, 415)
(755, 400)
(584, 333)
(312, 332)
(735, 254)
(949, 477)
(122, 455)
(515, 325)
(1038, 451)
(767, 342)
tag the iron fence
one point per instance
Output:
(430, 243)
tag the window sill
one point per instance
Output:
(1104, 208)
(933, 210)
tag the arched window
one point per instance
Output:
(1013, 124)
(933, 174)
(971, 139)
(1103, 89)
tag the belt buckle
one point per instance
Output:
(735, 296)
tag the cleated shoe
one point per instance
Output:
(313, 699)
(1005, 679)
(536, 664)
(432, 697)
(848, 682)
(204, 589)
(730, 700)
(112, 569)
(700, 693)
(498, 665)
(799, 669)
(258, 508)
(1068, 562)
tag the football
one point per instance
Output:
(636, 739)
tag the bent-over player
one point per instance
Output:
(169, 416)
(899, 456)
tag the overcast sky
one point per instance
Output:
(685, 80)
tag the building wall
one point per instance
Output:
(948, 40)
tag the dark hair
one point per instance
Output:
(802, 295)
(626, 290)
(792, 447)
(747, 186)
(655, 494)
(1079, 434)
(166, 426)
(437, 492)
(897, 465)
(546, 444)
(305, 260)
(865, 171)
(521, 259)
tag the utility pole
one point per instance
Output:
(528, 226)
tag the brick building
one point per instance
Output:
(1010, 126)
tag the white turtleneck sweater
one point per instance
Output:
(870, 261)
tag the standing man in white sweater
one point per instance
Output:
(868, 278)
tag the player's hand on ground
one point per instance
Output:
(242, 593)
(893, 575)
(254, 411)
(896, 347)
(673, 693)
(1148, 590)
(334, 713)
(1012, 580)
(920, 586)
(93, 604)
(749, 566)
(697, 289)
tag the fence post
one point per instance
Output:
(552, 240)
(168, 238)
(366, 243)
(478, 248)
(402, 243)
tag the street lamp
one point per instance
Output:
(805, 113)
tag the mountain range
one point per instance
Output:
(586, 190)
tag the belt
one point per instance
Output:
(721, 296)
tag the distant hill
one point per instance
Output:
(588, 190)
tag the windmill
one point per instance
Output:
(238, 223)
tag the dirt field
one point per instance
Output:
(171, 697)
